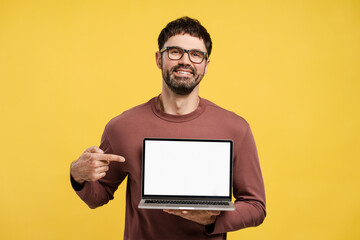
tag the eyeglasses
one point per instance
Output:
(176, 53)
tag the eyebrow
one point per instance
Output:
(196, 49)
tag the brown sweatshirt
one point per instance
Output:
(123, 136)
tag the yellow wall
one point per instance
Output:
(291, 68)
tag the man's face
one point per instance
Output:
(182, 76)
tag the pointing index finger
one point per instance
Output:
(108, 157)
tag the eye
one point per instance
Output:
(175, 51)
(196, 54)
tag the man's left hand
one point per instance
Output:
(203, 217)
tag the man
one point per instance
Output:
(178, 112)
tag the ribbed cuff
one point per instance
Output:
(76, 186)
(210, 228)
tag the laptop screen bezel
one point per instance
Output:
(185, 197)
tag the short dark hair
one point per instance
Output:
(184, 25)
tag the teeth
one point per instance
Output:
(183, 72)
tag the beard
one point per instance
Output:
(181, 85)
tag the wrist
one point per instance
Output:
(77, 180)
(211, 220)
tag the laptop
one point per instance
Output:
(187, 174)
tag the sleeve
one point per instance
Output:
(100, 192)
(248, 190)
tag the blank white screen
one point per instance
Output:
(190, 168)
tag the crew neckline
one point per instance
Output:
(177, 118)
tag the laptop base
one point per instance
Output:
(209, 207)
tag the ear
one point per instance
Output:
(158, 59)
(206, 67)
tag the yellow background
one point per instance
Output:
(291, 68)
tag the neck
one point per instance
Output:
(174, 104)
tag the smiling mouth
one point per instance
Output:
(184, 72)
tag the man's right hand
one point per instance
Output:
(92, 165)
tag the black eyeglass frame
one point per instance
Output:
(205, 54)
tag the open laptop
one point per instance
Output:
(189, 174)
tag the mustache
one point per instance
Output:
(173, 69)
